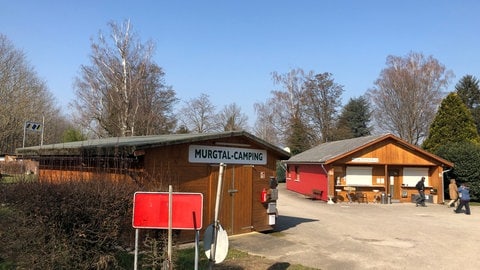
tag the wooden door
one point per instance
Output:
(235, 213)
(394, 187)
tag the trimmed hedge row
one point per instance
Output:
(70, 225)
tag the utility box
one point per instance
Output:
(383, 199)
(273, 194)
(272, 208)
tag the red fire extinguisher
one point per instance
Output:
(263, 197)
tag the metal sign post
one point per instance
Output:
(35, 127)
(216, 224)
(169, 244)
(162, 210)
(135, 258)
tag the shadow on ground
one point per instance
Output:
(287, 222)
(279, 266)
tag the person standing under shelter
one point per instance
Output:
(453, 192)
(464, 194)
(421, 192)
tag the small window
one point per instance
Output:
(297, 173)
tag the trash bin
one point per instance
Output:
(389, 198)
(384, 199)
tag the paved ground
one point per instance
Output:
(367, 236)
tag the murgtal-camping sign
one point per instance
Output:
(227, 155)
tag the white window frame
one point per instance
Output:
(411, 175)
(358, 176)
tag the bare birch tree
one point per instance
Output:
(122, 92)
(407, 94)
(286, 106)
(265, 127)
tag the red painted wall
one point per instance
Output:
(309, 177)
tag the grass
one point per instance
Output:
(186, 258)
(4, 264)
(235, 260)
(14, 178)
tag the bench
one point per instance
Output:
(316, 194)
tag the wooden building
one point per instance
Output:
(381, 168)
(188, 162)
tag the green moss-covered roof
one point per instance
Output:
(133, 143)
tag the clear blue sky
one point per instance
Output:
(228, 49)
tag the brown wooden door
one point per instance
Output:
(394, 187)
(235, 213)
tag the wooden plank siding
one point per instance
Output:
(389, 152)
(155, 162)
(55, 175)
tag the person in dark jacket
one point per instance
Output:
(421, 192)
(464, 194)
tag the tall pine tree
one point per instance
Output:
(469, 91)
(453, 123)
(297, 139)
(354, 119)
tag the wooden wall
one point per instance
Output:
(384, 158)
(241, 210)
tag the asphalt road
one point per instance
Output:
(367, 236)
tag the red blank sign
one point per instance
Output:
(150, 210)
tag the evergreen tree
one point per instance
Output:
(354, 119)
(453, 123)
(466, 157)
(298, 140)
(73, 135)
(469, 91)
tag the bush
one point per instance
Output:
(70, 225)
(466, 157)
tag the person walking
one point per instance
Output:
(453, 192)
(464, 194)
(421, 192)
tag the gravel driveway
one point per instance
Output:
(367, 236)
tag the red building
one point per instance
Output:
(365, 169)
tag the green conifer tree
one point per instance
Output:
(468, 90)
(453, 123)
(298, 140)
(354, 120)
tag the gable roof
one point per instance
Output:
(141, 142)
(329, 152)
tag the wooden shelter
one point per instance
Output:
(188, 162)
(380, 168)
